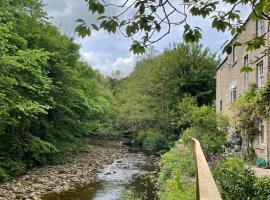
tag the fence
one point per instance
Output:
(206, 188)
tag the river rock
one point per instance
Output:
(80, 169)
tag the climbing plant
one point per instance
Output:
(248, 109)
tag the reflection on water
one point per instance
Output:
(131, 171)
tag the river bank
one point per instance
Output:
(81, 170)
(132, 173)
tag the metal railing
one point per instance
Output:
(206, 188)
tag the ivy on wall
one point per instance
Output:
(248, 109)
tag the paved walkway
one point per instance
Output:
(261, 172)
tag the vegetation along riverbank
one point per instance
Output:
(62, 119)
(78, 171)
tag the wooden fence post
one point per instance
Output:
(206, 188)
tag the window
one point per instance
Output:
(260, 136)
(220, 105)
(262, 133)
(246, 78)
(260, 74)
(234, 53)
(233, 93)
(260, 27)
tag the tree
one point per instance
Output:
(50, 102)
(148, 21)
(147, 98)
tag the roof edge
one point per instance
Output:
(225, 59)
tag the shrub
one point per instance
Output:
(152, 140)
(3, 175)
(237, 182)
(129, 195)
(262, 188)
(11, 167)
(175, 179)
(201, 123)
(212, 142)
(41, 152)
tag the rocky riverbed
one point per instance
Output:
(81, 170)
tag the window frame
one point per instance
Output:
(260, 136)
(260, 74)
(246, 75)
(234, 54)
(260, 27)
(233, 93)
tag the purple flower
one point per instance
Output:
(213, 159)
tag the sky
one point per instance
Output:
(110, 52)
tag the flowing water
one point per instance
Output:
(133, 171)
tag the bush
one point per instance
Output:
(41, 152)
(262, 188)
(201, 123)
(11, 167)
(237, 182)
(129, 195)
(152, 140)
(175, 179)
(3, 175)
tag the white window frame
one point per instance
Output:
(233, 93)
(246, 76)
(260, 74)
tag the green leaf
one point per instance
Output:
(246, 69)
(83, 30)
(95, 27)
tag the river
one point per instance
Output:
(133, 171)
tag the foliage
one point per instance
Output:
(3, 175)
(248, 109)
(237, 182)
(49, 100)
(152, 140)
(176, 177)
(201, 123)
(149, 21)
(129, 195)
(147, 98)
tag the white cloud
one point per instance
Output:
(106, 67)
(125, 65)
(109, 53)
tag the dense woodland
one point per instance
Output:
(49, 100)
(52, 103)
(148, 99)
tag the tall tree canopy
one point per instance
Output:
(148, 97)
(148, 21)
(49, 100)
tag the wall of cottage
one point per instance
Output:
(229, 74)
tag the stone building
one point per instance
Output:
(231, 82)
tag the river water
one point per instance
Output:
(133, 171)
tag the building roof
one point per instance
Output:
(224, 60)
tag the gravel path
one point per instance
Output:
(261, 172)
(80, 171)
